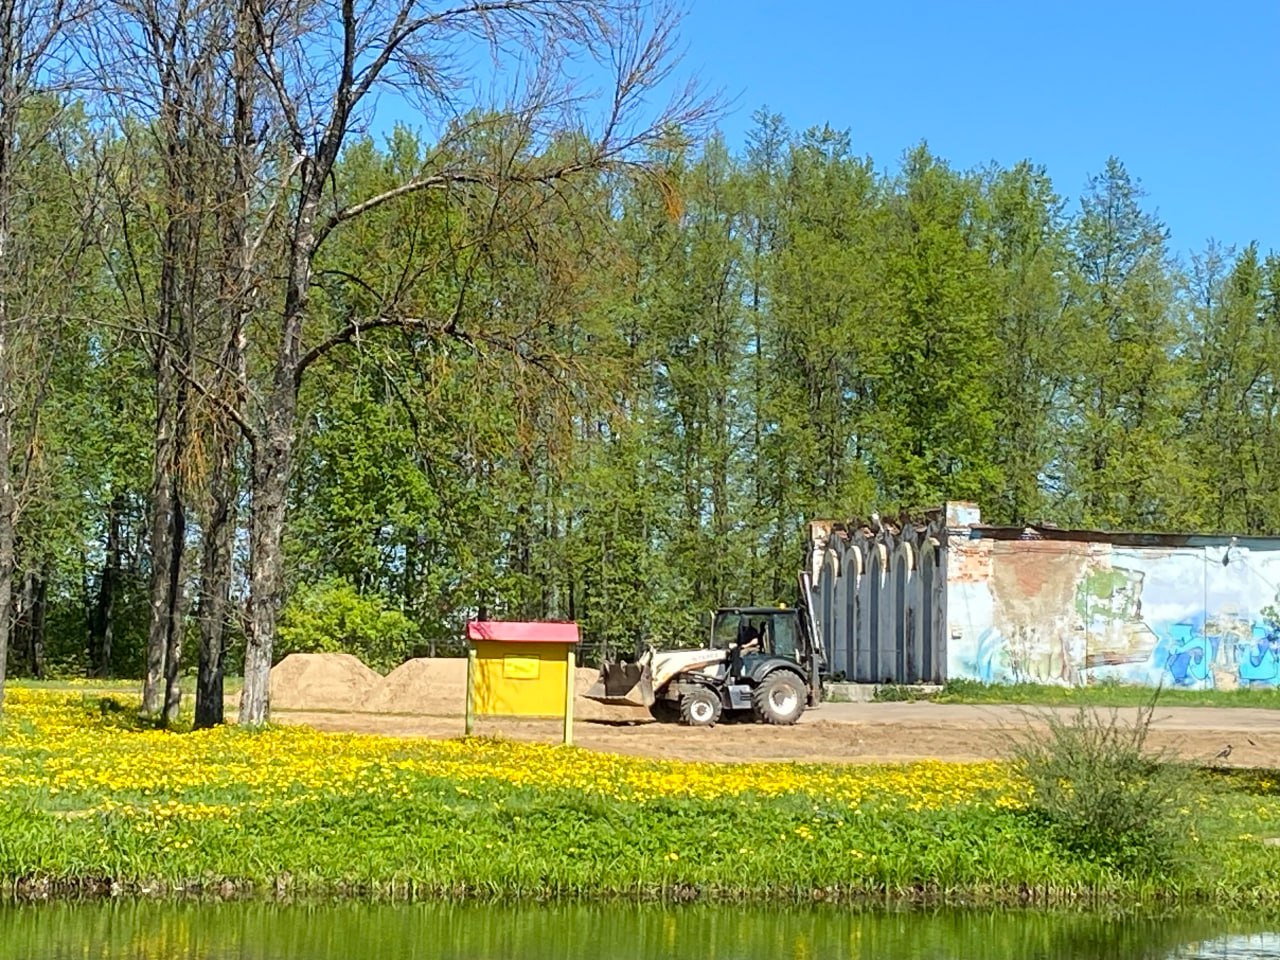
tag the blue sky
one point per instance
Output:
(1187, 95)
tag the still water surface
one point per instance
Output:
(348, 931)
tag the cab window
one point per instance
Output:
(783, 636)
(725, 631)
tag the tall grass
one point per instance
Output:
(1103, 793)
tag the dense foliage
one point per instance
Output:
(663, 379)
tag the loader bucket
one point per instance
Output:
(623, 685)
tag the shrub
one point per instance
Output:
(1102, 793)
(334, 617)
(895, 693)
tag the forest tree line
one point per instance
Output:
(269, 383)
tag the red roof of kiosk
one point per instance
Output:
(515, 631)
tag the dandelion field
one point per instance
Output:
(92, 800)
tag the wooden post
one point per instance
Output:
(471, 691)
(570, 691)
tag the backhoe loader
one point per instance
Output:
(767, 661)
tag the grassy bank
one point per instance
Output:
(94, 685)
(1095, 695)
(92, 802)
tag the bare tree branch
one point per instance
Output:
(353, 330)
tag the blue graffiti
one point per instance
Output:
(987, 656)
(1259, 660)
(1190, 654)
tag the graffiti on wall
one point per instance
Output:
(1073, 613)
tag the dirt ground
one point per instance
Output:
(425, 697)
(844, 732)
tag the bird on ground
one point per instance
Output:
(1224, 753)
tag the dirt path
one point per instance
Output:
(849, 732)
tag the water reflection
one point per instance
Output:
(1256, 946)
(342, 931)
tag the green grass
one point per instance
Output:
(1106, 694)
(505, 842)
(94, 685)
(432, 836)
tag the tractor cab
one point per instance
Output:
(771, 630)
(757, 636)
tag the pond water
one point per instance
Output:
(131, 930)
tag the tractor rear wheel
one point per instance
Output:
(779, 699)
(699, 707)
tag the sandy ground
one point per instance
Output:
(849, 732)
(425, 697)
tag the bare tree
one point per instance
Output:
(229, 375)
(168, 60)
(325, 62)
(33, 35)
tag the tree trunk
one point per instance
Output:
(272, 464)
(217, 564)
(186, 314)
(102, 617)
(163, 506)
(35, 625)
(8, 508)
(29, 622)
(22, 607)
(8, 501)
(164, 494)
(215, 587)
(174, 353)
(168, 541)
(175, 615)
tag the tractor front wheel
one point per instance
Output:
(779, 699)
(699, 707)
(664, 710)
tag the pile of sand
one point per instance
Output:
(433, 686)
(427, 686)
(321, 681)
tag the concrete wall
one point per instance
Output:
(1057, 611)
(950, 598)
(879, 598)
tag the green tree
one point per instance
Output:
(936, 341)
(333, 616)
(493, 165)
(1024, 237)
(1122, 464)
(1234, 358)
(825, 293)
(762, 178)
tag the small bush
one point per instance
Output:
(891, 693)
(333, 617)
(1103, 794)
(964, 691)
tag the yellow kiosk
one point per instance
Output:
(518, 669)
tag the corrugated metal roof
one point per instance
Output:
(1122, 538)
